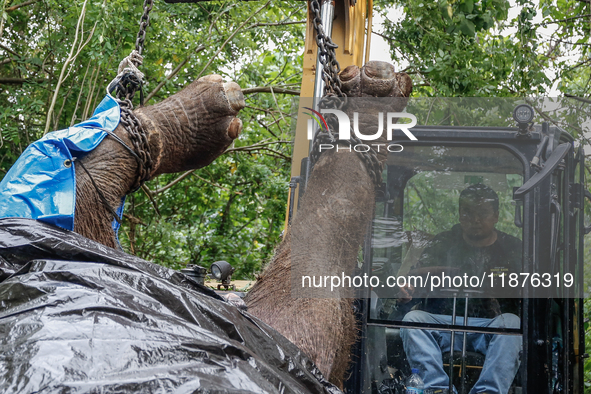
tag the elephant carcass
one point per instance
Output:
(77, 315)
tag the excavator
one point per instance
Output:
(538, 172)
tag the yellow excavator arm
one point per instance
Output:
(351, 31)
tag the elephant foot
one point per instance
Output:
(193, 127)
(375, 79)
(376, 88)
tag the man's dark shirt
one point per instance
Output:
(449, 251)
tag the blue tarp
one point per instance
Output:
(42, 183)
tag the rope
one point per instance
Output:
(100, 194)
(131, 64)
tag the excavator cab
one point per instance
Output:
(514, 324)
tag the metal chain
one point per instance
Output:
(126, 88)
(335, 98)
(130, 80)
(327, 55)
(144, 21)
(139, 141)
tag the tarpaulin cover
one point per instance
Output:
(78, 317)
(41, 184)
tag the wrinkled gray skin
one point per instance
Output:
(186, 131)
(327, 232)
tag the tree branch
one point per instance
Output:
(197, 49)
(216, 185)
(17, 6)
(257, 149)
(173, 73)
(277, 23)
(150, 194)
(581, 99)
(183, 176)
(9, 50)
(19, 81)
(275, 154)
(562, 20)
(572, 43)
(267, 127)
(71, 57)
(171, 184)
(254, 146)
(232, 36)
(134, 220)
(237, 231)
(266, 110)
(270, 89)
(73, 120)
(578, 65)
(2, 18)
(279, 109)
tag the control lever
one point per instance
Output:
(551, 163)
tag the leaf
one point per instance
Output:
(35, 60)
(468, 6)
(467, 27)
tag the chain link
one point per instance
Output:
(130, 80)
(139, 142)
(144, 21)
(335, 98)
(127, 86)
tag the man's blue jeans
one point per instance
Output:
(424, 349)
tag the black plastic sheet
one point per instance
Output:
(79, 317)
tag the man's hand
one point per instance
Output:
(406, 293)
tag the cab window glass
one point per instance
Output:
(447, 210)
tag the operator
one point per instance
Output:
(473, 247)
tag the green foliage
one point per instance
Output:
(234, 209)
(479, 48)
